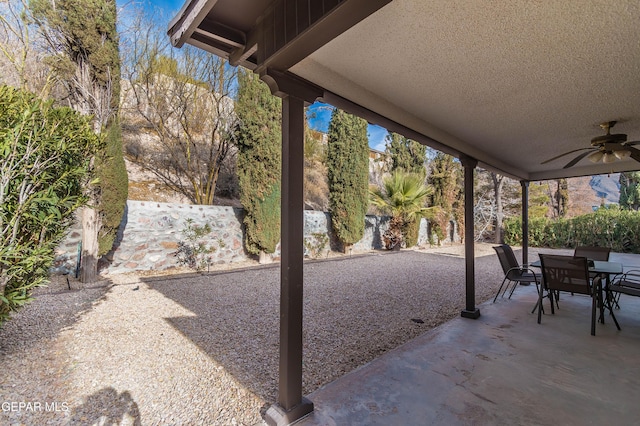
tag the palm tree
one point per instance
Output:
(403, 196)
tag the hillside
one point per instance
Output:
(588, 192)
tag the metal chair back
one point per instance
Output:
(566, 273)
(508, 261)
(593, 253)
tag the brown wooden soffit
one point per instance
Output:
(285, 31)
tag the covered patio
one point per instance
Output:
(503, 369)
(505, 86)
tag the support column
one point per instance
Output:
(291, 405)
(470, 311)
(525, 221)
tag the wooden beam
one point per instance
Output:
(188, 19)
(291, 404)
(525, 221)
(283, 84)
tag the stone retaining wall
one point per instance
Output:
(150, 233)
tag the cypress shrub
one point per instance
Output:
(113, 184)
(348, 175)
(258, 138)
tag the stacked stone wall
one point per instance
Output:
(150, 233)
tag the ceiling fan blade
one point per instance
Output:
(631, 143)
(578, 158)
(566, 153)
(635, 153)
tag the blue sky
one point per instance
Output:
(320, 115)
(321, 112)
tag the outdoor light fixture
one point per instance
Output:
(622, 154)
(608, 156)
(595, 156)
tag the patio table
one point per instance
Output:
(603, 268)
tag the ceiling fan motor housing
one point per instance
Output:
(600, 140)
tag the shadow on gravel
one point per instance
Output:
(235, 322)
(107, 407)
(355, 309)
(53, 309)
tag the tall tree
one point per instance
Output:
(630, 190)
(259, 139)
(22, 64)
(348, 175)
(184, 101)
(558, 192)
(446, 178)
(316, 191)
(406, 154)
(83, 46)
(540, 201)
(498, 182)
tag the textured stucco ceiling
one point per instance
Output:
(511, 83)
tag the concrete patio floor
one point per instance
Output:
(501, 369)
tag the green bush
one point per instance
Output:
(348, 175)
(195, 251)
(411, 232)
(258, 138)
(316, 244)
(612, 227)
(45, 157)
(114, 187)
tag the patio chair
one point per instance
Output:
(628, 283)
(592, 253)
(571, 274)
(513, 271)
(595, 253)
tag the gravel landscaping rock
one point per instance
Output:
(203, 348)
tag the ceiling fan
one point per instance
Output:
(606, 148)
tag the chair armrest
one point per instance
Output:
(522, 269)
(630, 278)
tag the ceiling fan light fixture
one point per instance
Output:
(622, 154)
(608, 157)
(595, 156)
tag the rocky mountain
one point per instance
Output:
(607, 187)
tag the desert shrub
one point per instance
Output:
(196, 248)
(316, 244)
(45, 156)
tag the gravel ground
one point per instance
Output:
(203, 348)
